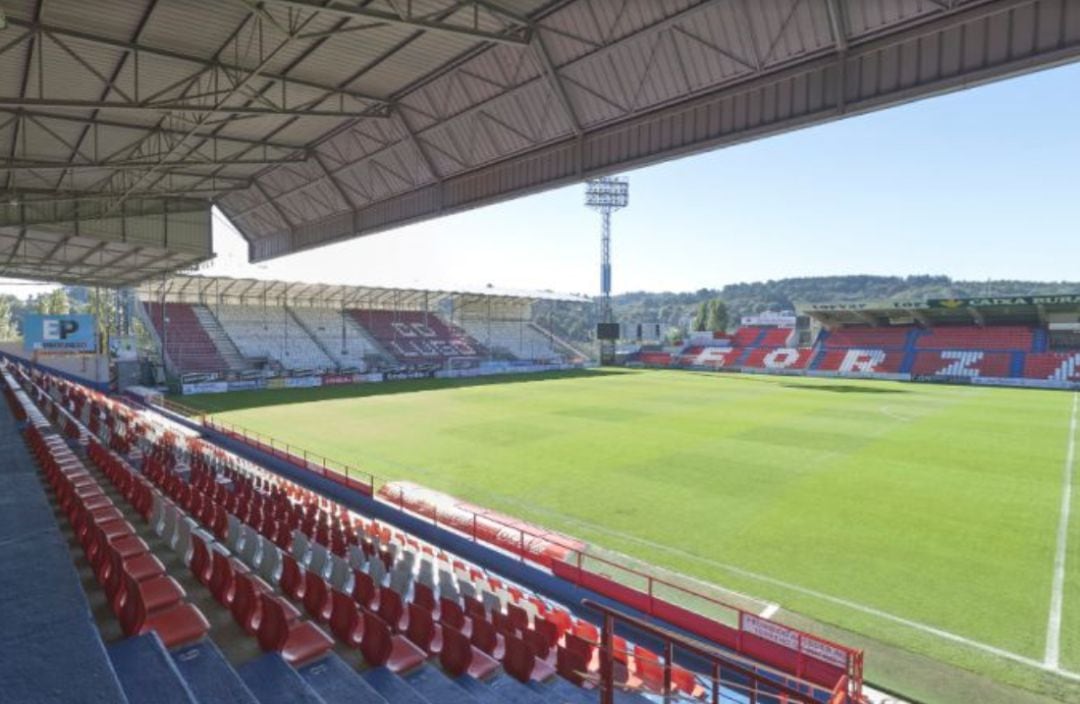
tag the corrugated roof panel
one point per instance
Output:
(342, 55)
(65, 77)
(867, 17)
(193, 26)
(413, 60)
(115, 19)
(595, 90)
(12, 66)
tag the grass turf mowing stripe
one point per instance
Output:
(936, 504)
(1057, 595)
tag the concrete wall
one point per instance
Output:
(91, 369)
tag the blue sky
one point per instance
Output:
(983, 183)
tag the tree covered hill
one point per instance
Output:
(676, 310)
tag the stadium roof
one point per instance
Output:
(226, 290)
(980, 310)
(313, 121)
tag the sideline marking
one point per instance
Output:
(839, 601)
(1052, 658)
(855, 606)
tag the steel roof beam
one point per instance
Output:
(104, 122)
(208, 64)
(517, 37)
(298, 111)
(181, 193)
(556, 84)
(135, 164)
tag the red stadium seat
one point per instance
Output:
(202, 565)
(292, 579)
(458, 656)
(317, 600)
(346, 620)
(364, 591)
(391, 609)
(381, 647)
(246, 606)
(422, 630)
(298, 642)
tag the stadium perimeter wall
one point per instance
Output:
(219, 386)
(88, 369)
(881, 376)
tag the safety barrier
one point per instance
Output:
(799, 654)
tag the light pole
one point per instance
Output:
(606, 195)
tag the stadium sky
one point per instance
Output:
(979, 184)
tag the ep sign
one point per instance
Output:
(60, 333)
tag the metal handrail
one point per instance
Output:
(651, 581)
(671, 640)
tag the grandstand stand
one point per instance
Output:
(347, 343)
(715, 357)
(775, 337)
(869, 337)
(417, 337)
(747, 336)
(962, 363)
(271, 333)
(225, 346)
(861, 361)
(777, 358)
(518, 338)
(187, 345)
(969, 337)
(1054, 366)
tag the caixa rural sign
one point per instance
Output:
(60, 333)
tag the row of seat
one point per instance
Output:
(474, 639)
(142, 596)
(468, 619)
(186, 342)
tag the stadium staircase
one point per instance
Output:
(196, 603)
(314, 338)
(565, 345)
(49, 627)
(224, 344)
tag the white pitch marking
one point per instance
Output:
(1052, 658)
(895, 416)
(770, 611)
(839, 601)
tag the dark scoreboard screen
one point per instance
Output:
(607, 331)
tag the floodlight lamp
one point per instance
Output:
(607, 193)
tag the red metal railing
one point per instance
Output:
(757, 682)
(650, 594)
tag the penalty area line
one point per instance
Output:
(1052, 656)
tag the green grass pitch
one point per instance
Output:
(849, 503)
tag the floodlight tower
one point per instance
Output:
(606, 195)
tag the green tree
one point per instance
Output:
(718, 315)
(7, 323)
(701, 318)
(54, 303)
(101, 303)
